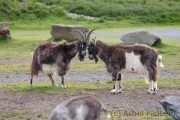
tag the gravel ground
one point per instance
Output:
(83, 76)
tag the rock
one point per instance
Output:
(66, 31)
(140, 37)
(4, 32)
(171, 105)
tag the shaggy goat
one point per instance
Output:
(54, 59)
(138, 59)
(79, 108)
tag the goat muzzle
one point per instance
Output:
(91, 57)
(83, 53)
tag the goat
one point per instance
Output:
(54, 59)
(138, 59)
(79, 108)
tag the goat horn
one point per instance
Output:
(85, 35)
(87, 38)
(81, 34)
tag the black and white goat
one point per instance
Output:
(79, 108)
(54, 59)
(138, 59)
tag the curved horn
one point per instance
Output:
(85, 35)
(87, 38)
(81, 34)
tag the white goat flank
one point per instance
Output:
(133, 64)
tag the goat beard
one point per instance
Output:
(81, 57)
(96, 59)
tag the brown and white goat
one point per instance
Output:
(79, 108)
(54, 59)
(138, 59)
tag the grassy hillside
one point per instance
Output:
(132, 11)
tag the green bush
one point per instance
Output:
(30, 9)
(147, 11)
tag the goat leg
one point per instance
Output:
(51, 79)
(120, 84)
(151, 88)
(114, 90)
(31, 81)
(62, 83)
(155, 87)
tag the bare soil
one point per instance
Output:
(137, 100)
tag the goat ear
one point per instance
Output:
(94, 41)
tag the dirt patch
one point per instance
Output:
(137, 100)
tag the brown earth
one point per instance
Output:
(137, 100)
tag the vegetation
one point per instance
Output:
(27, 10)
(132, 11)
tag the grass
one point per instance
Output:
(79, 88)
(116, 115)
(74, 88)
(24, 115)
(14, 68)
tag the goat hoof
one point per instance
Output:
(150, 92)
(119, 91)
(63, 86)
(113, 93)
(54, 84)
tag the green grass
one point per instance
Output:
(14, 68)
(79, 88)
(116, 115)
(73, 88)
(25, 115)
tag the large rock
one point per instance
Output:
(4, 32)
(140, 37)
(171, 105)
(66, 31)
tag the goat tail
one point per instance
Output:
(159, 59)
(35, 67)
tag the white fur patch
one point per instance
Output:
(159, 59)
(81, 113)
(113, 91)
(50, 69)
(133, 64)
